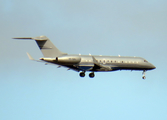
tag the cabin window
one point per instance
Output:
(100, 60)
(122, 61)
(111, 61)
(115, 61)
(108, 61)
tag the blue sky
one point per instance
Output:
(34, 91)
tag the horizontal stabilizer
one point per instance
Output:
(45, 45)
(23, 38)
(40, 38)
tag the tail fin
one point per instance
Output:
(46, 46)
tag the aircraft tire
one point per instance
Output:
(91, 75)
(144, 77)
(82, 74)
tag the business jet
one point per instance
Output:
(84, 63)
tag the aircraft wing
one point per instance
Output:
(31, 58)
(49, 63)
(100, 67)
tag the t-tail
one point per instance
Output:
(46, 46)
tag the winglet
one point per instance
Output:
(30, 57)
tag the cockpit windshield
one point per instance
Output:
(145, 61)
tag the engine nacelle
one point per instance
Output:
(68, 59)
(48, 59)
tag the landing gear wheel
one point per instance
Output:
(144, 73)
(82, 74)
(91, 75)
(144, 77)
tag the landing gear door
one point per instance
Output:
(85, 67)
(86, 63)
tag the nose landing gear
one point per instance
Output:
(144, 77)
(144, 73)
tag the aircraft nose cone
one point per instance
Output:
(152, 66)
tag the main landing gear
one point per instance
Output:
(91, 75)
(82, 74)
(144, 73)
